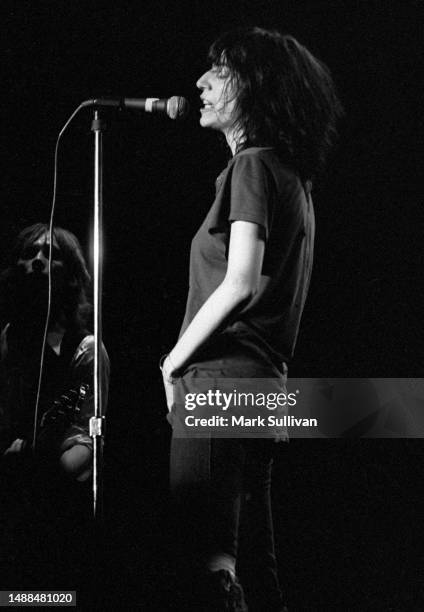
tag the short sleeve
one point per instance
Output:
(82, 367)
(244, 193)
(250, 193)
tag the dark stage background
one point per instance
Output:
(348, 514)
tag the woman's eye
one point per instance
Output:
(29, 252)
(56, 254)
(222, 72)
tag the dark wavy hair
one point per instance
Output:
(76, 305)
(284, 96)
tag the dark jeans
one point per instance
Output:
(212, 480)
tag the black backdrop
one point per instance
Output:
(363, 313)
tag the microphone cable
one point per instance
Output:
(49, 294)
(181, 108)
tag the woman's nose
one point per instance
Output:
(39, 262)
(203, 82)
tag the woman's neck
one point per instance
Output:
(55, 336)
(234, 140)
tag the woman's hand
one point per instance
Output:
(169, 392)
(18, 446)
(168, 381)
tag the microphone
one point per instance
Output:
(176, 107)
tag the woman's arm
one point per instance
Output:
(76, 443)
(77, 462)
(245, 257)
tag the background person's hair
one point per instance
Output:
(284, 96)
(76, 305)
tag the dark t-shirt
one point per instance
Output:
(256, 187)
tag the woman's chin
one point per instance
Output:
(204, 122)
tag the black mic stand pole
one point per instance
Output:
(97, 421)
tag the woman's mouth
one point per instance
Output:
(206, 107)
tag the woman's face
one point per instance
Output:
(218, 98)
(35, 256)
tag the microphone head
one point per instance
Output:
(177, 107)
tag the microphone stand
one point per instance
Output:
(97, 421)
